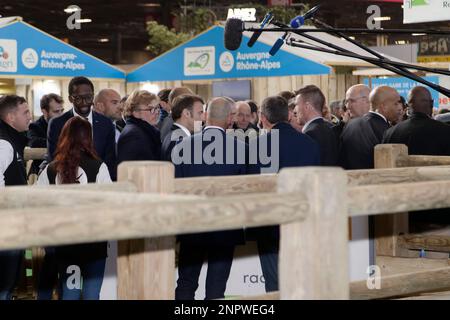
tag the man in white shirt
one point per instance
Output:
(15, 118)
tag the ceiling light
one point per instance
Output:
(382, 18)
(418, 34)
(83, 20)
(103, 40)
(149, 4)
(71, 9)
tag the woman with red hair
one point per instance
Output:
(80, 267)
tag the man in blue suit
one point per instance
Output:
(81, 95)
(289, 148)
(205, 154)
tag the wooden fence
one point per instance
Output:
(312, 205)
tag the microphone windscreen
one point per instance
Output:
(233, 33)
(276, 46)
(297, 22)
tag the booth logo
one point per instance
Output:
(30, 58)
(8, 55)
(199, 61)
(226, 61)
(416, 3)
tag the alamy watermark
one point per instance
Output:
(374, 279)
(72, 21)
(261, 149)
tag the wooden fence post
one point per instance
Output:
(146, 267)
(313, 255)
(389, 226)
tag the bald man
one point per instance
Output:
(243, 115)
(357, 100)
(216, 247)
(422, 134)
(362, 134)
(107, 103)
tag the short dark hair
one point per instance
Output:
(275, 109)
(313, 95)
(178, 91)
(79, 81)
(253, 106)
(8, 103)
(185, 101)
(163, 95)
(47, 98)
(288, 95)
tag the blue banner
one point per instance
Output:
(25, 50)
(205, 57)
(404, 85)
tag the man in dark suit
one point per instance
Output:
(107, 103)
(166, 125)
(218, 247)
(309, 102)
(187, 112)
(423, 136)
(51, 107)
(287, 148)
(362, 134)
(81, 95)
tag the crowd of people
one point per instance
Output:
(292, 129)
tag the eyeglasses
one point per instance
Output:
(152, 109)
(86, 98)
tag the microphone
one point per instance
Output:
(298, 21)
(268, 17)
(277, 45)
(233, 33)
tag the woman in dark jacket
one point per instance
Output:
(140, 139)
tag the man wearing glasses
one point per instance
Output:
(81, 95)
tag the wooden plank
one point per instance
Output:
(145, 266)
(417, 161)
(394, 198)
(403, 284)
(395, 265)
(313, 267)
(227, 185)
(388, 226)
(34, 153)
(332, 87)
(397, 175)
(26, 198)
(439, 243)
(166, 215)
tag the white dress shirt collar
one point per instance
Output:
(214, 127)
(185, 130)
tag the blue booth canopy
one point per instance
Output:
(205, 57)
(27, 51)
